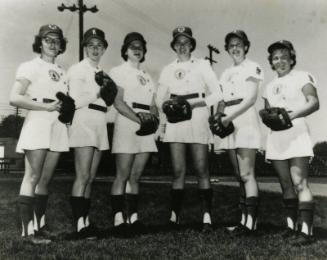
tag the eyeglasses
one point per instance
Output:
(50, 41)
(95, 47)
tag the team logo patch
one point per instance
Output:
(181, 29)
(179, 74)
(54, 75)
(52, 26)
(141, 79)
(277, 89)
(258, 71)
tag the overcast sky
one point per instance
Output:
(304, 22)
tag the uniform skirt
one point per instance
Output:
(247, 133)
(290, 143)
(43, 130)
(195, 130)
(126, 141)
(89, 128)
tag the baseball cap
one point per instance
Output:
(185, 31)
(94, 33)
(282, 44)
(50, 28)
(133, 36)
(239, 34)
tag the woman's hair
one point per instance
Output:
(38, 43)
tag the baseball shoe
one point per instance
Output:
(32, 239)
(44, 232)
(173, 225)
(207, 228)
(302, 240)
(121, 231)
(288, 233)
(138, 228)
(84, 233)
(240, 230)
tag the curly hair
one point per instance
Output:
(38, 43)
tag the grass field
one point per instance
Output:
(187, 243)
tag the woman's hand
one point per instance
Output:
(54, 106)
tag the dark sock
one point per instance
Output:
(87, 206)
(78, 205)
(252, 209)
(176, 201)
(291, 210)
(132, 203)
(117, 204)
(206, 200)
(242, 206)
(40, 206)
(306, 210)
(25, 212)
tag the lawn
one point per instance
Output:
(187, 243)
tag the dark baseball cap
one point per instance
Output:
(183, 31)
(50, 28)
(282, 44)
(94, 33)
(133, 36)
(239, 34)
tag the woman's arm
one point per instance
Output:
(123, 108)
(18, 98)
(312, 104)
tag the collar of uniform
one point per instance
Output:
(242, 64)
(191, 60)
(43, 62)
(129, 66)
(87, 62)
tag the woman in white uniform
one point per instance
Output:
(290, 150)
(88, 132)
(43, 136)
(134, 101)
(240, 87)
(194, 80)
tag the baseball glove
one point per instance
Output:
(108, 88)
(217, 127)
(67, 110)
(276, 118)
(177, 110)
(148, 126)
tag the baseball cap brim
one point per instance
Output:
(193, 41)
(86, 40)
(279, 45)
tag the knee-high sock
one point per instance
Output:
(117, 205)
(78, 205)
(87, 206)
(242, 207)
(132, 206)
(26, 214)
(40, 206)
(252, 212)
(206, 203)
(306, 210)
(176, 201)
(291, 210)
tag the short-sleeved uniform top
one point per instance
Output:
(247, 133)
(42, 129)
(182, 78)
(89, 127)
(138, 88)
(287, 92)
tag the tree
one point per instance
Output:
(320, 148)
(11, 126)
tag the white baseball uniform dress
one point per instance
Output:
(247, 133)
(287, 92)
(139, 90)
(42, 129)
(89, 126)
(196, 79)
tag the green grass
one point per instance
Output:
(187, 243)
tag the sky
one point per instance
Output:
(303, 22)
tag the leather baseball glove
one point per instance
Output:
(108, 90)
(148, 126)
(177, 110)
(217, 127)
(67, 111)
(276, 118)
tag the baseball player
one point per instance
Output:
(290, 149)
(43, 136)
(135, 104)
(88, 132)
(192, 80)
(240, 86)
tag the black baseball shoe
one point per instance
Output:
(32, 239)
(288, 233)
(173, 225)
(240, 230)
(138, 228)
(207, 228)
(302, 239)
(121, 231)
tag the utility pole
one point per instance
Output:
(81, 8)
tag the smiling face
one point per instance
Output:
(135, 51)
(183, 46)
(50, 46)
(281, 61)
(236, 49)
(94, 49)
